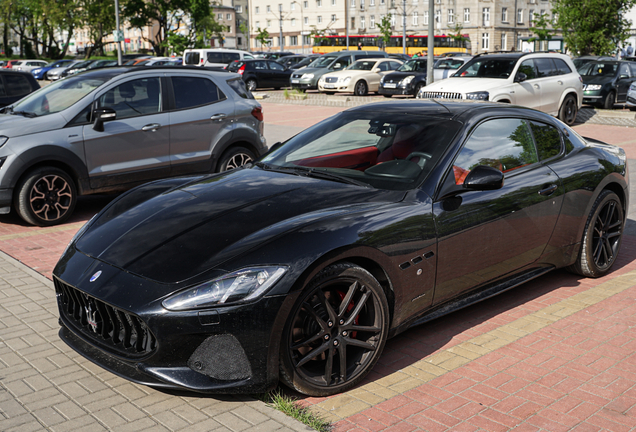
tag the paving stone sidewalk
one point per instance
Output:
(45, 385)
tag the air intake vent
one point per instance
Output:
(440, 95)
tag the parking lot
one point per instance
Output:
(554, 354)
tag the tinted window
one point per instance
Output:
(394, 65)
(17, 85)
(239, 87)
(504, 144)
(624, 70)
(259, 65)
(276, 66)
(134, 98)
(599, 69)
(230, 57)
(488, 68)
(632, 67)
(562, 67)
(528, 68)
(545, 67)
(547, 139)
(192, 58)
(190, 92)
(215, 57)
(83, 117)
(384, 66)
(341, 63)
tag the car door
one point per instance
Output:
(262, 73)
(528, 93)
(551, 85)
(623, 82)
(486, 235)
(136, 145)
(202, 117)
(279, 75)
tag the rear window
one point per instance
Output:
(239, 87)
(190, 92)
(17, 85)
(562, 67)
(230, 57)
(234, 66)
(192, 58)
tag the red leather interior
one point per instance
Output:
(360, 159)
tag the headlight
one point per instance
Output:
(239, 286)
(322, 79)
(382, 80)
(34, 71)
(307, 76)
(3, 140)
(346, 81)
(632, 87)
(477, 95)
(593, 87)
(406, 81)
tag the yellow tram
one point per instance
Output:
(414, 44)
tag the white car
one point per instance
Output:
(29, 65)
(547, 82)
(446, 67)
(362, 77)
(631, 97)
(213, 57)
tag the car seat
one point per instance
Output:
(405, 142)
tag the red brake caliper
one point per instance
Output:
(349, 309)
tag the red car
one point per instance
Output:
(10, 64)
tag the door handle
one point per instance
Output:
(548, 190)
(151, 127)
(218, 116)
(560, 82)
(536, 86)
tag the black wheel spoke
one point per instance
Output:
(358, 308)
(618, 223)
(609, 216)
(614, 234)
(310, 310)
(366, 329)
(313, 354)
(307, 342)
(609, 249)
(362, 344)
(347, 300)
(328, 307)
(342, 354)
(598, 251)
(329, 366)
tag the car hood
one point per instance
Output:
(347, 73)
(396, 77)
(14, 125)
(195, 228)
(465, 85)
(314, 71)
(597, 79)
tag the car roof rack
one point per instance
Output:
(521, 54)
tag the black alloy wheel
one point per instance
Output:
(418, 88)
(235, 157)
(610, 100)
(336, 332)
(602, 236)
(46, 196)
(361, 88)
(568, 111)
(251, 84)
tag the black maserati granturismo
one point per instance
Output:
(299, 267)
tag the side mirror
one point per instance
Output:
(376, 70)
(483, 178)
(521, 77)
(623, 77)
(101, 115)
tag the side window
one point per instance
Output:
(547, 139)
(215, 57)
(504, 144)
(528, 68)
(384, 66)
(394, 65)
(632, 66)
(230, 57)
(83, 117)
(562, 67)
(342, 63)
(133, 98)
(545, 67)
(275, 66)
(191, 92)
(624, 71)
(17, 85)
(239, 87)
(247, 57)
(260, 65)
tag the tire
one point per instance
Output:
(45, 196)
(601, 238)
(235, 157)
(361, 88)
(387, 96)
(610, 100)
(418, 88)
(330, 93)
(568, 110)
(251, 84)
(347, 340)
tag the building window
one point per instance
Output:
(318, 3)
(292, 6)
(228, 17)
(519, 16)
(486, 16)
(333, 2)
(220, 16)
(466, 15)
(451, 16)
(307, 40)
(268, 23)
(530, 18)
(269, 8)
(371, 21)
(381, 2)
(333, 18)
(293, 22)
(362, 23)
(353, 3)
(257, 9)
(239, 41)
(504, 15)
(438, 16)
(306, 4)
(485, 41)
(425, 18)
(504, 41)
(258, 24)
(392, 20)
(239, 9)
(319, 19)
(293, 40)
(372, 2)
(415, 18)
(353, 23)
(306, 20)
(361, 4)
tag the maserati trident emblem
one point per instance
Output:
(95, 276)
(91, 318)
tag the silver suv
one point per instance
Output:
(112, 129)
(547, 82)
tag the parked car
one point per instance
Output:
(109, 129)
(446, 67)
(15, 85)
(305, 62)
(213, 57)
(300, 267)
(579, 62)
(10, 64)
(41, 73)
(360, 78)
(101, 64)
(307, 77)
(403, 57)
(56, 73)
(605, 83)
(261, 73)
(544, 81)
(29, 65)
(275, 55)
(291, 60)
(631, 97)
(77, 68)
(408, 79)
(155, 61)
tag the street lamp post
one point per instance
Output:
(302, 26)
(118, 33)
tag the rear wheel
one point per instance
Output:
(336, 331)
(46, 196)
(361, 88)
(568, 111)
(251, 84)
(235, 157)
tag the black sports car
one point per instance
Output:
(302, 265)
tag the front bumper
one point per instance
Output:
(631, 100)
(395, 91)
(325, 87)
(231, 349)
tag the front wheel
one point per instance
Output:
(361, 88)
(610, 100)
(46, 196)
(568, 111)
(335, 333)
(235, 157)
(602, 237)
(419, 87)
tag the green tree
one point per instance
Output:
(541, 29)
(99, 21)
(317, 35)
(593, 26)
(262, 36)
(207, 28)
(385, 29)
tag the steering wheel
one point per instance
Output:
(423, 158)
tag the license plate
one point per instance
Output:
(390, 85)
(295, 81)
(330, 86)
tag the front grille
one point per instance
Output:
(111, 328)
(331, 80)
(440, 95)
(296, 75)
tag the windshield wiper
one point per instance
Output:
(286, 170)
(325, 175)
(24, 113)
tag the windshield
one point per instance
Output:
(413, 65)
(448, 64)
(483, 67)
(599, 69)
(59, 95)
(364, 65)
(81, 64)
(322, 62)
(374, 148)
